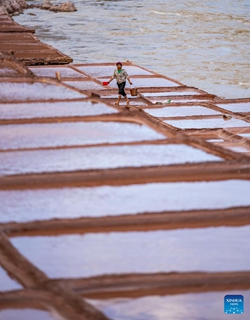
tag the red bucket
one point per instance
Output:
(105, 83)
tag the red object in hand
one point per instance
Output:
(105, 83)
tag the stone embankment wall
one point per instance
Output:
(12, 7)
(15, 7)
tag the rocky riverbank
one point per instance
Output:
(12, 7)
(15, 7)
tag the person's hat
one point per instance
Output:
(119, 63)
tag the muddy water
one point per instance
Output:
(201, 306)
(139, 252)
(203, 44)
(28, 205)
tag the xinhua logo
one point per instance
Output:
(233, 304)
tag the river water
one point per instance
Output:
(204, 44)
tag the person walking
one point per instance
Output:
(121, 76)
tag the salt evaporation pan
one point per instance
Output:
(139, 252)
(99, 158)
(14, 91)
(149, 82)
(183, 306)
(108, 71)
(68, 134)
(7, 283)
(181, 111)
(207, 123)
(27, 205)
(25, 314)
(170, 93)
(236, 107)
(50, 71)
(85, 85)
(53, 109)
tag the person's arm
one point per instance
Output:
(129, 80)
(127, 77)
(111, 79)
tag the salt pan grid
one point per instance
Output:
(174, 180)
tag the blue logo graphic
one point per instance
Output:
(234, 304)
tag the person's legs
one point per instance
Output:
(127, 100)
(118, 100)
(119, 93)
(122, 92)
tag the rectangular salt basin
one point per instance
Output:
(188, 100)
(236, 107)
(25, 314)
(215, 140)
(50, 71)
(135, 101)
(103, 71)
(75, 133)
(189, 306)
(22, 162)
(8, 72)
(28, 205)
(10, 91)
(207, 123)
(181, 111)
(6, 283)
(85, 85)
(245, 135)
(53, 109)
(165, 100)
(170, 93)
(150, 82)
(132, 102)
(185, 250)
(238, 149)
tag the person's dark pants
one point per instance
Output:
(121, 87)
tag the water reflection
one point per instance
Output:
(6, 283)
(200, 306)
(25, 314)
(28, 205)
(208, 249)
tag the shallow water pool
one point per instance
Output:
(206, 249)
